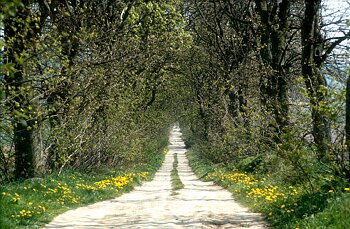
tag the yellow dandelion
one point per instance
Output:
(282, 206)
(270, 213)
(346, 189)
(330, 191)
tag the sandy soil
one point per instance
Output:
(198, 205)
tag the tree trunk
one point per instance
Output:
(274, 87)
(16, 27)
(347, 123)
(24, 151)
(315, 83)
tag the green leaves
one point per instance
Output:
(8, 8)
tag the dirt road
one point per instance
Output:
(198, 205)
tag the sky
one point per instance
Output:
(336, 10)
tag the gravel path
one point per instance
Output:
(198, 205)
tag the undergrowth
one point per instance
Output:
(35, 202)
(283, 205)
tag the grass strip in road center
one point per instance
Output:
(176, 182)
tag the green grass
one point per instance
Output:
(335, 215)
(282, 205)
(33, 203)
(176, 182)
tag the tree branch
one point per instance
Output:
(334, 45)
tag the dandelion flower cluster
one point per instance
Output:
(259, 191)
(26, 207)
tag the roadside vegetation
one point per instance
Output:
(86, 101)
(268, 113)
(35, 202)
(176, 182)
(283, 205)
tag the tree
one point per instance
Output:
(21, 31)
(275, 30)
(88, 80)
(315, 51)
(347, 123)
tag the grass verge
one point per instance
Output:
(282, 205)
(176, 182)
(35, 202)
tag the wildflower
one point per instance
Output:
(30, 203)
(42, 208)
(330, 191)
(22, 213)
(346, 189)
(282, 206)
(3, 193)
(15, 199)
(270, 213)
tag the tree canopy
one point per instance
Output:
(92, 82)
